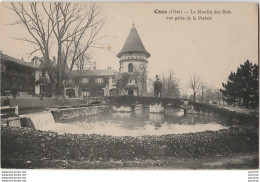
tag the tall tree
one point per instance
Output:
(170, 85)
(243, 85)
(195, 84)
(66, 30)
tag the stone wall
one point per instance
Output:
(232, 117)
(69, 113)
(128, 100)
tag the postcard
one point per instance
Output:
(92, 85)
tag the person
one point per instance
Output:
(7, 101)
(14, 92)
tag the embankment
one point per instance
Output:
(29, 144)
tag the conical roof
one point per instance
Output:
(133, 43)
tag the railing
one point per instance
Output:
(9, 72)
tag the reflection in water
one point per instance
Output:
(139, 123)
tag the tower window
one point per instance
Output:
(130, 67)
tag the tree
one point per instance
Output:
(84, 62)
(243, 85)
(195, 84)
(140, 74)
(218, 95)
(170, 85)
(66, 30)
(122, 82)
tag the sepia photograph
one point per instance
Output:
(102, 85)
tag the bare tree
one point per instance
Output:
(84, 62)
(141, 77)
(218, 95)
(203, 87)
(195, 84)
(209, 94)
(71, 29)
(170, 85)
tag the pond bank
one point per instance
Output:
(29, 144)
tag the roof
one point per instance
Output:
(107, 72)
(17, 61)
(133, 43)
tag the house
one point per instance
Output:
(42, 84)
(17, 75)
(92, 83)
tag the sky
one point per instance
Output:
(209, 48)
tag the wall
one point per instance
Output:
(138, 64)
(60, 115)
(128, 100)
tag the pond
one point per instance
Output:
(138, 124)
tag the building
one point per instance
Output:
(31, 79)
(16, 76)
(133, 66)
(42, 84)
(92, 83)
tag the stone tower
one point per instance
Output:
(133, 65)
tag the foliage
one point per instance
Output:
(123, 80)
(243, 85)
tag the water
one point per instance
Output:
(42, 120)
(138, 123)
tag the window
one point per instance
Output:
(130, 92)
(85, 80)
(130, 67)
(42, 74)
(86, 94)
(99, 80)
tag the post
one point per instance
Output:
(16, 110)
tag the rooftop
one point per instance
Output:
(133, 44)
(17, 61)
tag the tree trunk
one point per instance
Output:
(194, 96)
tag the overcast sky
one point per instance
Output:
(210, 48)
